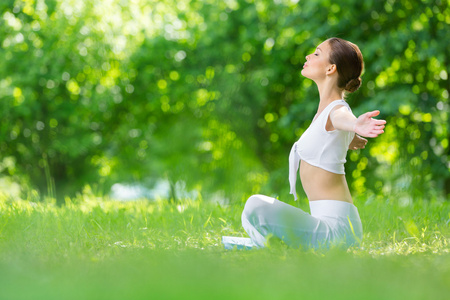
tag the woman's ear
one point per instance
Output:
(331, 69)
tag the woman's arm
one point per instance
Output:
(364, 125)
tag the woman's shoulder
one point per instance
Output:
(339, 104)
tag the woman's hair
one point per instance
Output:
(349, 63)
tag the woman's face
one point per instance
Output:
(317, 63)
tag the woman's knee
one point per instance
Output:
(255, 202)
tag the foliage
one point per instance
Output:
(94, 248)
(209, 92)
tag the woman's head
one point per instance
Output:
(349, 63)
(338, 58)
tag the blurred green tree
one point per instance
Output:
(209, 92)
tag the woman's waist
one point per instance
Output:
(313, 175)
(320, 184)
(332, 166)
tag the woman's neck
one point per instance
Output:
(328, 92)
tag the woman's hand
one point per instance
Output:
(366, 126)
(357, 143)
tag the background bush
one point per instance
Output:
(209, 92)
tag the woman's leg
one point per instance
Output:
(264, 216)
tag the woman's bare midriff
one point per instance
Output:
(323, 185)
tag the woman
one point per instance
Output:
(335, 67)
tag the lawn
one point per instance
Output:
(95, 248)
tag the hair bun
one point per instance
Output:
(353, 85)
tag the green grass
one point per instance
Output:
(93, 248)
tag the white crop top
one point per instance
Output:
(319, 147)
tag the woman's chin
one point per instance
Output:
(304, 74)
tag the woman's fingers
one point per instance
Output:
(369, 127)
(376, 132)
(374, 113)
(379, 122)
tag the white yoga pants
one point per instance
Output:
(331, 222)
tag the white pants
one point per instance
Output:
(331, 222)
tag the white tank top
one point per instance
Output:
(319, 147)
